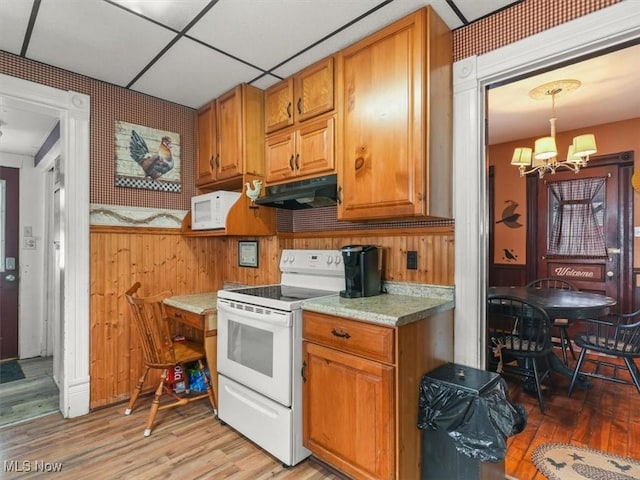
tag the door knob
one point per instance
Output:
(610, 274)
(10, 278)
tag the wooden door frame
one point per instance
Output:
(624, 161)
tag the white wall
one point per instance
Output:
(31, 267)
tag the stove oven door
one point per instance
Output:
(255, 348)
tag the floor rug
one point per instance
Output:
(560, 461)
(10, 371)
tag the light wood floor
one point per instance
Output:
(189, 443)
(31, 397)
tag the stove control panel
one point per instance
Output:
(306, 261)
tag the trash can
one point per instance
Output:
(465, 418)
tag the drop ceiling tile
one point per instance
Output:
(273, 30)
(176, 14)
(94, 38)
(191, 74)
(372, 23)
(14, 19)
(265, 81)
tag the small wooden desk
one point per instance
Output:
(199, 314)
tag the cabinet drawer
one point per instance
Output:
(188, 318)
(372, 341)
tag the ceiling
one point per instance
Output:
(190, 51)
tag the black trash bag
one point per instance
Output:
(477, 424)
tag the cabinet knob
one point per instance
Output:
(359, 163)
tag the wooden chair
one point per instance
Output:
(519, 336)
(616, 336)
(561, 324)
(161, 353)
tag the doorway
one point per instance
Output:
(583, 228)
(73, 110)
(599, 31)
(9, 261)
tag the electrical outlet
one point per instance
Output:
(412, 260)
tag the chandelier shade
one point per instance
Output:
(545, 148)
(543, 158)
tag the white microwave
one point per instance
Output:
(209, 211)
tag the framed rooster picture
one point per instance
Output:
(147, 158)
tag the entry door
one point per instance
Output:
(584, 230)
(9, 248)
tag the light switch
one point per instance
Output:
(636, 231)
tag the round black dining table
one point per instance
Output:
(559, 303)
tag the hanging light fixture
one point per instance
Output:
(543, 158)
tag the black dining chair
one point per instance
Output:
(561, 324)
(519, 337)
(615, 336)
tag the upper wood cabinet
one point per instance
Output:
(207, 139)
(301, 152)
(230, 138)
(394, 135)
(305, 95)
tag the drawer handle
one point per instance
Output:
(359, 163)
(289, 110)
(340, 334)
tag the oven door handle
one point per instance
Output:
(283, 320)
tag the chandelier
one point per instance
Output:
(543, 158)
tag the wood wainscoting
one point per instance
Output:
(163, 259)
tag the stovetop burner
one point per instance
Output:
(285, 293)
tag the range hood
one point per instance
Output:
(314, 192)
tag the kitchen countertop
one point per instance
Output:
(403, 303)
(198, 303)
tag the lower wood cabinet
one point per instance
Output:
(350, 405)
(360, 391)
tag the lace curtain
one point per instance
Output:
(577, 218)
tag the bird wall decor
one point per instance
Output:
(509, 255)
(156, 164)
(253, 192)
(509, 215)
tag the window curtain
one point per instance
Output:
(577, 217)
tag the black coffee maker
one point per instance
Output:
(362, 270)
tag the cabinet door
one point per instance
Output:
(230, 132)
(381, 163)
(315, 148)
(314, 90)
(206, 144)
(278, 106)
(280, 156)
(348, 412)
